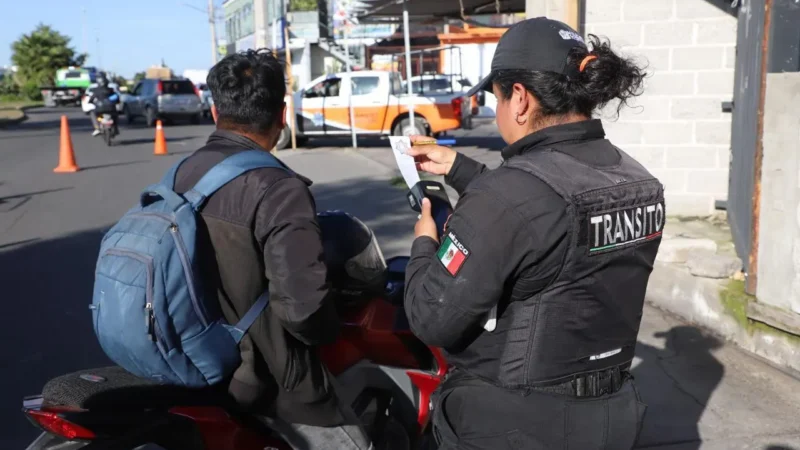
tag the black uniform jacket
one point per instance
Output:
(510, 229)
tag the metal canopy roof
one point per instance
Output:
(366, 11)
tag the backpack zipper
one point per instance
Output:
(153, 331)
(150, 321)
(187, 268)
(188, 273)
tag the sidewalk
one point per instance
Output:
(705, 394)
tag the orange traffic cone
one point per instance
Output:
(161, 141)
(66, 155)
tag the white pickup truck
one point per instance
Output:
(322, 107)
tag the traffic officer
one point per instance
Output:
(557, 243)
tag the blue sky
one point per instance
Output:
(133, 35)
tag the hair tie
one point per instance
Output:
(586, 61)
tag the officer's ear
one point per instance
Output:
(214, 113)
(283, 116)
(521, 103)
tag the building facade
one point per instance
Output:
(677, 128)
(314, 40)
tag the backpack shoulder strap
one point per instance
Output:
(244, 324)
(169, 177)
(230, 168)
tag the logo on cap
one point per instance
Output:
(567, 35)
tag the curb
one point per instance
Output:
(11, 122)
(4, 123)
(718, 306)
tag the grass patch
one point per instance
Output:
(734, 299)
(11, 110)
(10, 114)
(17, 104)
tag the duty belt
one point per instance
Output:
(592, 384)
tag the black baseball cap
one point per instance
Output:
(537, 45)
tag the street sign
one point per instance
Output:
(279, 34)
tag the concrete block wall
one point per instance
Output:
(676, 128)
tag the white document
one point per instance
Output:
(408, 169)
(406, 164)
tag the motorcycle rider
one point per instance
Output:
(559, 240)
(105, 99)
(261, 232)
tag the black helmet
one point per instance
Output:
(102, 80)
(356, 268)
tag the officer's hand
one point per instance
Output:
(433, 159)
(426, 226)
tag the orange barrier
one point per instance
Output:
(161, 141)
(66, 155)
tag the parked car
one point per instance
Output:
(163, 99)
(438, 84)
(205, 98)
(380, 108)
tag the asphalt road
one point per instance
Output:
(702, 393)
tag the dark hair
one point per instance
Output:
(604, 79)
(248, 90)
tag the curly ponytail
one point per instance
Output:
(606, 76)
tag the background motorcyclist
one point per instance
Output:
(105, 99)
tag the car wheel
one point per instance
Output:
(150, 117)
(404, 128)
(195, 119)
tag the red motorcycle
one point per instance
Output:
(384, 371)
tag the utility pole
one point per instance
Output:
(567, 11)
(287, 48)
(535, 8)
(99, 52)
(406, 38)
(350, 97)
(83, 31)
(213, 24)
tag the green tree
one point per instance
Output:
(38, 55)
(120, 80)
(303, 5)
(139, 76)
(8, 87)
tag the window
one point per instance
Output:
(437, 84)
(237, 25)
(397, 83)
(178, 87)
(73, 74)
(248, 20)
(325, 88)
(148, 89)
(365, 85)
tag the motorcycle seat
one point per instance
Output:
(113, 388)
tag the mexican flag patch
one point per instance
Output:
(452, 254)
